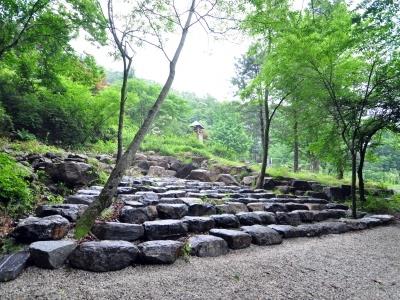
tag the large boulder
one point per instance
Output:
(198, 224)
(200, 174)
(164, 229)
(228, 179)
(207, 245)
(184, 171)
(103, 256)
(118, 231)
(69, 211)
(235, 239)
(72, 173)
(34, 229)
(51, 254)
(160, 252)
(138, 215)
(156, 171)
(172, 211)
(12, 265)
(249, 218)
(262, 235)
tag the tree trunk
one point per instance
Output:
(105, 198)
(340, 170)
(260, 181)
(360, 170)
(124, 95)
(354, 182)
(295, 147)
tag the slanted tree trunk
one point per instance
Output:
(105, 198)
(124, 95)
(295, 147)
(360, 173)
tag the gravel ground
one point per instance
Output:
(359, 265)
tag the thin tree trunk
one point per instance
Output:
(105, 198)
(353, 182)
(295, 146)
(260, 181)
(360, 173)
(124, 94)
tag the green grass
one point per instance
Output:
(31, 146)
(380, 205)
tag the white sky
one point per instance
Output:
(206, 66)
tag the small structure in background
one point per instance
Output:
(199, 129)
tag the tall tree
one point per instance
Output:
(151, 12)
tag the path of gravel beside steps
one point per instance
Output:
(355, 265)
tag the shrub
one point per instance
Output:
(15, 195)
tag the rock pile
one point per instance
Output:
(162, 217)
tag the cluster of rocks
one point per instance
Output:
(73, 170)
(161, 218)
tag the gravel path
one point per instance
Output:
(361, 265)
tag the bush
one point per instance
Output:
(382, 205)
(15, 195)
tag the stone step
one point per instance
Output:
(159, 252)
(207, 246)
(236, 239)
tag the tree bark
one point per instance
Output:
(124, 95)
(295, 147)
(267, 123)
(353, 182)
(105, 198)
(360, 173)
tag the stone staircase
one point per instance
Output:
(155, 218)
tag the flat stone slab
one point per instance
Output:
(103, 256)
(173, 194)
(275, 207)
(288, 218)
(164, 229)
(288, 231)
(147, 198)
(266, 217)
(69, 211)
(225, 221)
(262, 235)
(51, 254)
(386, 219)
(207, 246)
(296, 206)
(371, 222)
(160, 252)
(172, 211)
(256, 206)
(198, 224)
(118, 231)
(235, 239)
(306, 216)
(34, 229)
(12, 265)
(249, 218)
(85, 199)
(231, 208)
(201, 209)
(354, 224)
(333, 227)
(138, 215)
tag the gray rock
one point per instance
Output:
(336, 206)
(235, 239)
(118, 231)
(34, 229)
(138, 215)
(201, 209)
(103, 256)
(198, 224)
(385, 219)
(310, 230)
(173, 194)
(160, 252)
(51, 254)
(306, 216)
(266, 217)
(275, 207)
(262, 235)
(156, 171)
(166, 200)
(164, 229)
(200, 174)
(80, 199)
(256, 206)
(288, 231)
(334, 193)
(301, 185)
(147, 198)
(371, 222)
(354, 224)
(69, 211)
(225, 221)
(228, 179)
(296, 206)
(290, 218)
(249, 218)
(72, 173)
(12, 265)
(172, 211)
(207, 246)
(333, 227)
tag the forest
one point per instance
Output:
(317, 91)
